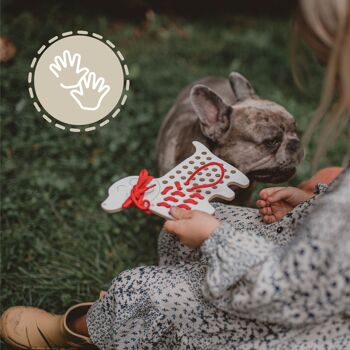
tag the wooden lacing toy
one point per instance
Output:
(190, 185)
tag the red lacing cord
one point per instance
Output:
(196, 187)
(137, 192)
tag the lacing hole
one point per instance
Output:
(279, 229)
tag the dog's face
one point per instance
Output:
(257, 136)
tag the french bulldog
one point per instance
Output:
(255, 135)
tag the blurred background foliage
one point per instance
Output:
(57, 246)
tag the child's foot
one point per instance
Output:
(25, 327)
(276, 202)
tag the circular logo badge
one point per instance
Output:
(78, 81)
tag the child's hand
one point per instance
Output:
(192, 227)
(276, 202)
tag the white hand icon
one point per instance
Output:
(90, 92)
(67, 69)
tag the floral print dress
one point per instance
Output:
(250, 286)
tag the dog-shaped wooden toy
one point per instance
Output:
(190, 185)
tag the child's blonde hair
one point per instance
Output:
(325, 26)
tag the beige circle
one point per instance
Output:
(89, 106)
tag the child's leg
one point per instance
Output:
(241, 218)
(79, 326)
(325, 176)
(172, 252)
(144, 304)
(164, 308)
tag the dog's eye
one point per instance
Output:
(272, 142)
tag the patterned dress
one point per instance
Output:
(250, 286)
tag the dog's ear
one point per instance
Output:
(241, 86)
(212, 111)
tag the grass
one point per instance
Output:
(57, 246)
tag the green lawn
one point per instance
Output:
(58, 246)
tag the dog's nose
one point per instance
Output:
(293, 145)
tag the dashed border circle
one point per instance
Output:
(116, 109)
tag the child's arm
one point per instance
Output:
(276, 202)
(304, 282)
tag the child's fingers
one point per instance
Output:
(267, 192)
(269, 219)
(170, 226)
(266, 211)
(174, 226)
(180, 213)
(284, 193)
(262, 204)
(266, 219)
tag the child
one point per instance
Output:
(233, 292)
